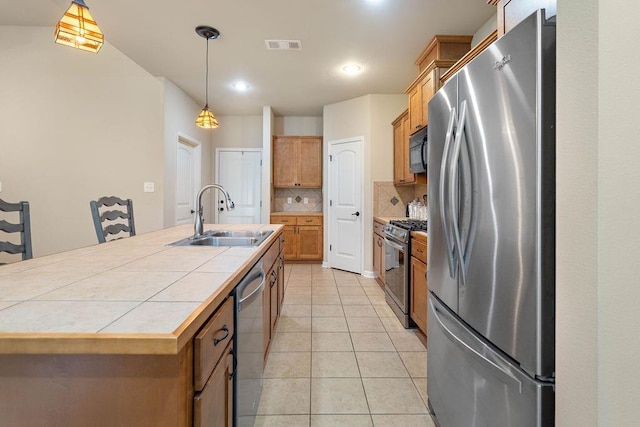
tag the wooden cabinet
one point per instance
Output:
(441, 53)
(420, 93)
(379, 252)
(213, 406)
(512, 12)
(401, 173)
(272, 296)
(213, 369)
(303, 237)
(297, 161)
(418, 286)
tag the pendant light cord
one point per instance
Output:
(206, 89)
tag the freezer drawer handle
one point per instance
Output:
(506, 376)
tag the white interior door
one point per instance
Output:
(240, 173)
(345, 204)
(187, 179)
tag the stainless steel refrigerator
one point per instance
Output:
(491, 259)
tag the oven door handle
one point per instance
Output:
(394, 244)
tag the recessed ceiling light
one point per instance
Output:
(352, 69)
(241, 86)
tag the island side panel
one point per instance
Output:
(83, 390)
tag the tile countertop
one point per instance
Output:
(133, 296)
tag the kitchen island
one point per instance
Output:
(104, 335)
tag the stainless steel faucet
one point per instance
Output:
(199, 222)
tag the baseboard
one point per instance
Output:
(369, 274)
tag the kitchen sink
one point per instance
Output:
(226, 238)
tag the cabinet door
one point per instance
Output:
(273, 296)
(284, 162)
(430, 84)
(310, 242)
(378, 258)
(309, 164)
(280, 282)
(266, 315)
(290, 242)
(419, 291)
(398, 153)
(415, 109)
(213, 406)
(409, 178)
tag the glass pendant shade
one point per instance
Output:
(206, 119)
(78, 29)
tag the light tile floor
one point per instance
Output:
(340, 357)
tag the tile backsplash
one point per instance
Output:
(391, 201)
(297, 195)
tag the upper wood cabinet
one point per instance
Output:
(297, 161)
(401, 173)
(420, 93)
(440, 54)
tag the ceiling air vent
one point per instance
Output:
(283, 44)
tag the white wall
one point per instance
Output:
(268, 130)
(298, 125)
(75, 126)
(180, 113)
(368, 116)
(597, 343)
(238, 132)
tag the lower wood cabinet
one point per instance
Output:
(213, 406)
(273, 264)
(303, 236)
(418, 287)
(379, 252)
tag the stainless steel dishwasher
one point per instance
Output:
(248, 346)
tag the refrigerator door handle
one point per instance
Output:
(443, 174)
(506, 376)
(453, 194)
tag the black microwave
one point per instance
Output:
(418, 151)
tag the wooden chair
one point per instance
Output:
(23, 227)
(112, 221)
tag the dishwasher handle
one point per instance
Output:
(246, 282)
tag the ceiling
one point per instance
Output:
(383, 36)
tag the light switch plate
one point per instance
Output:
(289, 200)
(149, 187)
(305, 201)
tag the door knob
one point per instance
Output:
(356, 214)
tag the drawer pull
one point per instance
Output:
(216, 341)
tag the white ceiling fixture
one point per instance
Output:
(352, 69)
(241, 86)
(283, 44)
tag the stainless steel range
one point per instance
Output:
(397, 237)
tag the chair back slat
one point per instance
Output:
(23, 227)
(8, 227)
(11, 248)
(104, 222)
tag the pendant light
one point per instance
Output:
(78, 29)
(206, 119)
